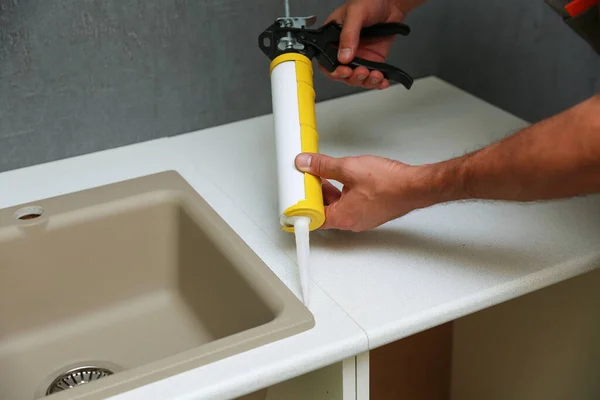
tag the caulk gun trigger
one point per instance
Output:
(291, 34)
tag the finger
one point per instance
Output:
(323, 166)
(342, 72)
(329, 220)
(384, 84)
(330, 217)
(339, 74)
(331, 75)
(336, 217)
(374, 80)
(358, 76)
(350, 36)
(331, 194)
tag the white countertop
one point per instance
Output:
(334, 338)
(367, 288)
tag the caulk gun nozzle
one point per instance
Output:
(302, 233)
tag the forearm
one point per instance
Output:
(555, 158)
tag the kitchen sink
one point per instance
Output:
(114, 287)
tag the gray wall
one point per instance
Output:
(78, 76)
(516, 54)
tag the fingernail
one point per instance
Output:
(375, 80)
(361, 77)
(344, 54)
(344, 75)
(303, 162)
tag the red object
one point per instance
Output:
(577, 7)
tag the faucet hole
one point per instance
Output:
(27, 213)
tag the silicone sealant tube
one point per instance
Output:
(301, 207)
(293, 99)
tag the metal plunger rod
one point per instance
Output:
(286, 5)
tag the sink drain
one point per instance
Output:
(76, 375)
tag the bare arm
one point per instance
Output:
(556, 158)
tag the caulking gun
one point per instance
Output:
(291, 46)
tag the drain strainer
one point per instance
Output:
(76, 375)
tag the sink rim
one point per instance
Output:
(291, 316)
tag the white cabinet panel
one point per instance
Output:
(362, 376)
(334, 382)
(349, 378)
(543, 346)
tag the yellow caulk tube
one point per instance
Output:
(301, 208)
(293, 96)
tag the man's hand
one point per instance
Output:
(556, 158)
(376, 189)
(353, 16)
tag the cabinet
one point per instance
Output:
(346, 380)
(541, 346)
(415, 368)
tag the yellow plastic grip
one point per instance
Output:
(312, 206)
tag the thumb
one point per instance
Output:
(322, 166)
(350, 35)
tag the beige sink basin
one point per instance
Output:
(140, 277)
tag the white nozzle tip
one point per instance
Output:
(301, 231)
(286, 221)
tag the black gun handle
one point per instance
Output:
(389, 71)
(385, 29)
